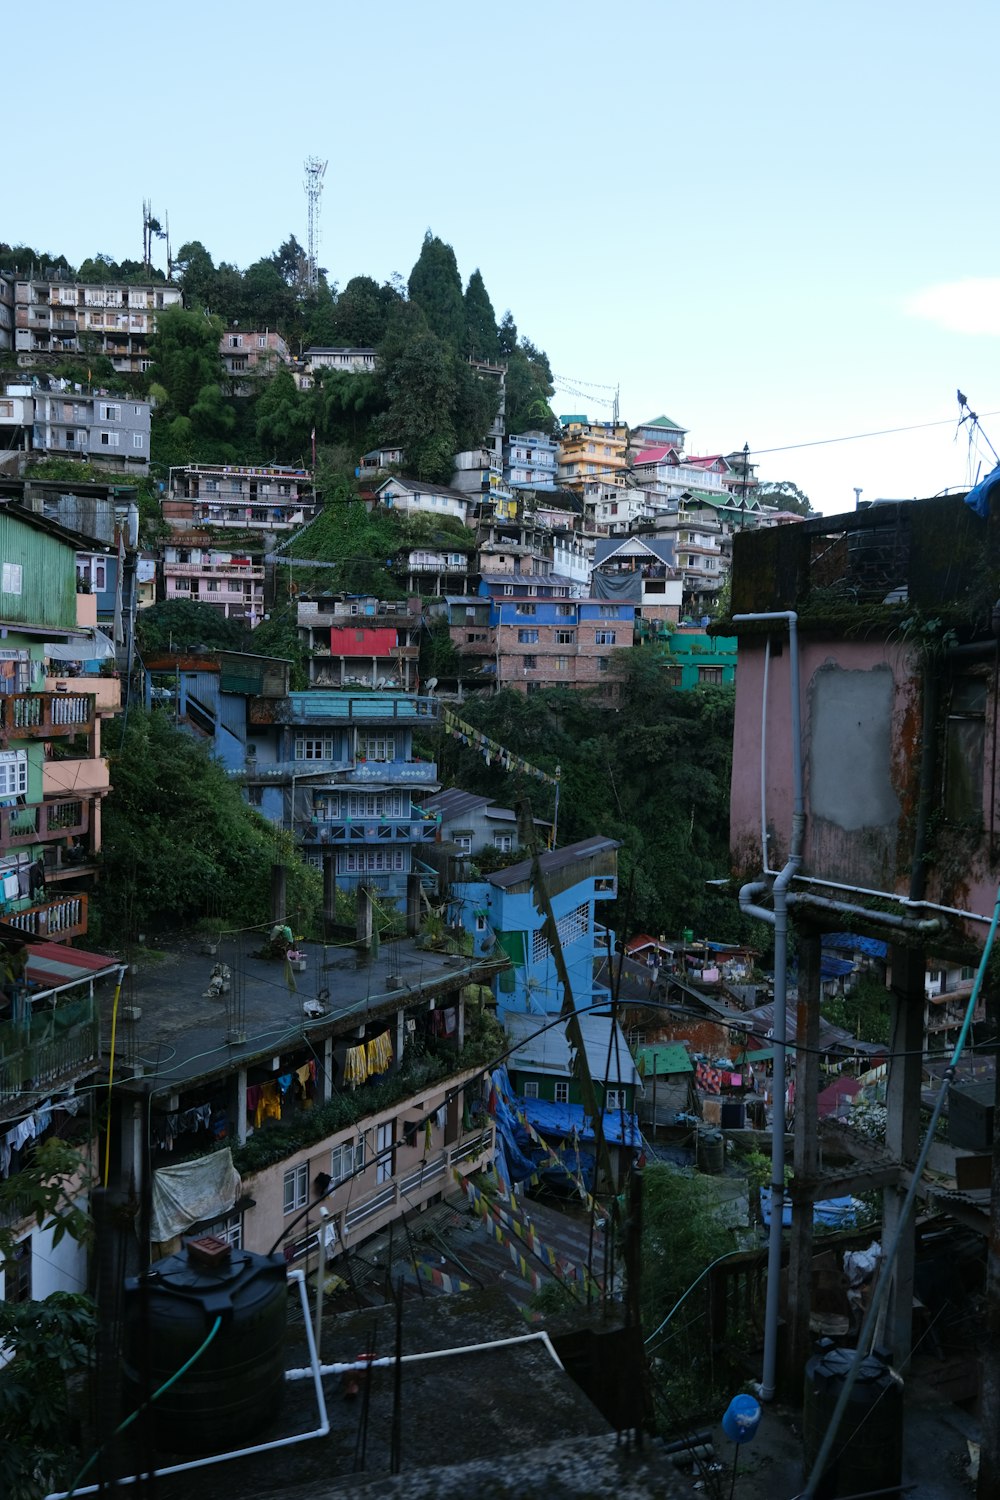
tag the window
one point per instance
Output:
(463, 842)
(565, 637)
(10, 578)
(13, 773)
(709, 674)
(380, 747)
(965, 738)
(525, 609)
(609, 612)
(296, 1188)
(255, 796)
(310, 747)
(345, 1159)
(384, 1152)
(111, 413)
(529, 662)
(6, 410)
(181, 585)
(229, 1230)
(604, 637)
(614, 1099)
(672, 676)
(236, 341)
(503, 842)
(262, 341)
(560, 663)
(603, 663)
(561, 1093)
(566, 611)
(531, 1088)
(508, 589)
(17, 1273)
(138, 440)
(527, 637)
(214, 585)
(109, 439)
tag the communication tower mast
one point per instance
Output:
(313, 184)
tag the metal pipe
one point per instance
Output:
(920, 905)
(763, 761)
(219, 1458)
(779, 894)
(389, 1360)
(919, 926)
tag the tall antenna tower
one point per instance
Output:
(313, 184)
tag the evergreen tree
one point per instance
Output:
(507, 335)
(436, 287)
(284, 419)
(186, 358)
(361, 313)
(480, 321)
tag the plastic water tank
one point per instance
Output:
(237, 1385)
(710, 1152)
(868, 1451)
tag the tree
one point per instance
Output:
(195, 269)
(420, 388)
(529, 387)
(784, 495)
(284, 419)
(436, 288)
(507, 335)
(182, 624)
(480, 321)
(361, 313)
(177, 828)
(185, 357)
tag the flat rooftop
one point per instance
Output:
(181, 1035)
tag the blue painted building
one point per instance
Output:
(341, 770)
(531, 461)
(544, 638)
(500, 911)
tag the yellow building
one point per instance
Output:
(592, 452)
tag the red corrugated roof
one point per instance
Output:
(53, 964)
(654, 455)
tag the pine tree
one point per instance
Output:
(436, 287)
(480, 321)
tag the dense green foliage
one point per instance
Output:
(52, 1343)
(652, 772)
(181, 843)
(179, 625)
(864, 1012)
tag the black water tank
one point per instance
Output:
(868, 1451)
(236, 1386)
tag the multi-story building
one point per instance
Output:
(592, 451)
(233, 582)
(356, 641)
(502, 913)
(479, 474)
(543, 638)
(112, 431)
(643, 570)
(265, 498)
(657, 433)
(531, 461)
(867, 647)
(52, 700)
(473, 824)
(329, 1122)
(469, 626)
(246, 354)
(690, 657)
(64, 317)
(433, 570)
(6, 311)
(342, 771)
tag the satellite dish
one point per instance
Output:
(431, 684)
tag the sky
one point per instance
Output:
(775, 223)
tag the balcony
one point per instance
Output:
(46, 716)
(430, 1177)
(368, 831)
(52, 920)
(107, 691)
(39, 822)
(75, 777)
(53, 1048)
(242, 571)
(421, 772)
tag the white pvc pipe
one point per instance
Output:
(219, 1458)
(388, 1361)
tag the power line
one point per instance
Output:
(857, 436)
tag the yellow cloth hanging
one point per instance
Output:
(355, 1065)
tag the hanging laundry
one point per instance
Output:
(355, 1065)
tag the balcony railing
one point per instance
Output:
(53, 1047)
(45, 716)
(38, 821)
(368, 831)
(57, 920)
(403, 1192)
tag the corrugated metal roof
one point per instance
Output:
(548, 1051)
(667, 1057)
(555, 859)
(452, 802)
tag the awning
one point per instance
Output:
(94, 645)
(53, 966)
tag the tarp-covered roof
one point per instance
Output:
(667, 1057)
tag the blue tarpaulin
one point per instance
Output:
(852, 942)
(838, 1213)
(979, 498)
